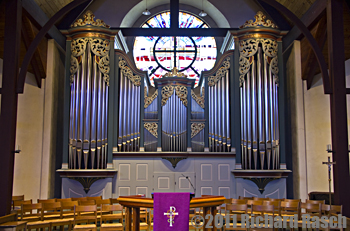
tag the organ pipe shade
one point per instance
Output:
(259, 103)
(89, 103)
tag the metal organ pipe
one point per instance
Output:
(254, 117)
(99, 121)
(93, 114)
(87, 102)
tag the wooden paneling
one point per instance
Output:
(298, 7)
(50, 7)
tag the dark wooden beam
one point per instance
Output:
(339, 127)
(174, 14)
(62, 12)
(348, 4)
(40, 17)
(275, 15)
(27, 41)
(321, 37)
(9, 101)
(311, 16)
(216, 32)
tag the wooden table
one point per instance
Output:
(133, 204)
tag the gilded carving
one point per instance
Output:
(78, 46)
(196, 128)
(167, 91)
(181, 92)
(198, 99)
(99, 47)
(249, 48)
(270, 47)
(89, 20)
(149, 100)
(274, 69)
(152, 128)
(175, 73)
(74, 64)
(259, 21)
(103, 64)
(212, 80)
(135, 79)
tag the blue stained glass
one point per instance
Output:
(164, 49)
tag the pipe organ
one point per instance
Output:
(231, 119)
(258, 70)
(89, 85)
(219, 109)
(174, 116)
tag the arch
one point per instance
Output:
(318, 53)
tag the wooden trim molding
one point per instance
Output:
(261, 173)
(102, 173)
(175, 154)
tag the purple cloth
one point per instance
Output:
(171, 211)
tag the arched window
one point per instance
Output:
(159, 55)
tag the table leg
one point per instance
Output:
(136, 219)
(213, 212)
(206, 210)
(128, 219)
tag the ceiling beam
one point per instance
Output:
(275, 15)
(321, 37)
(33, 62)
(311, 16)
(40, 18)
(27, 35)
(215, 32)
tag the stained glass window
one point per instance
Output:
(158, 55)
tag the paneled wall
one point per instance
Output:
(209, 176)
